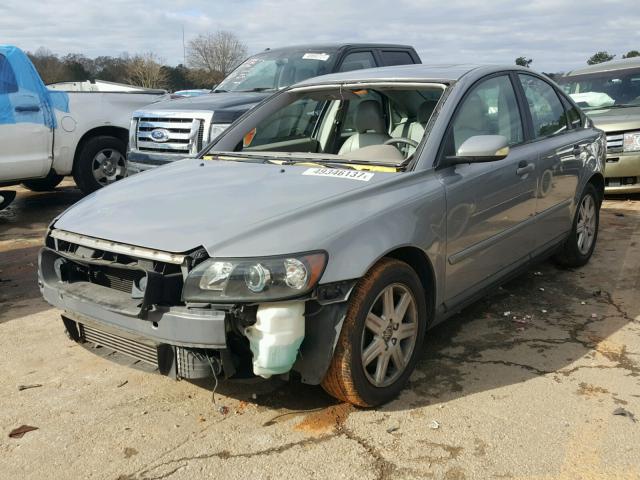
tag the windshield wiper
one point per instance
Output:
(219, 90)
(615, 105)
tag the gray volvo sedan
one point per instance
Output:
(330, 227)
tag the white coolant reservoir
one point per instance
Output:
(276, 337)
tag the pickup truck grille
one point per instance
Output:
(183, 133)
(614, 142)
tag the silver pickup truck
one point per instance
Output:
(74, 129)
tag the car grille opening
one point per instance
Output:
(614, 142)
(138, 351)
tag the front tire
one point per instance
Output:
(101, 162)
(46, 184)
(381, 336)
(579, 245)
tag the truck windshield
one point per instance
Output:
(272, 70)
(618, 88)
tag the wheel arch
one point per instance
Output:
(419, 261)
(120, 133)
(597, 180)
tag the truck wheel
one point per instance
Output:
(6, 197)
(381, 336)
(578, 247)
(46, 184)
(101, 162)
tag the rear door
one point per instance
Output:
(562, 145)
(24, 138)
(490, 206)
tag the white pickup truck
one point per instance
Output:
(47, 133)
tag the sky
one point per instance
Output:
(557, 34)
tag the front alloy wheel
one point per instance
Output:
(381, 336)
(389, 336)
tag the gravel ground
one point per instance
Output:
(526, 395)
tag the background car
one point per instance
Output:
(609, 93)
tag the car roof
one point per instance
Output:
(609, 66)
(447, 73)
(335, 46)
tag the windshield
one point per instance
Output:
(361, 125)
(617, 88)
(278, 69)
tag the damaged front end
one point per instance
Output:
(190, 316)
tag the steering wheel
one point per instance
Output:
(404, 140)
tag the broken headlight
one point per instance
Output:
(254, 280)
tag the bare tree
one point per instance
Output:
(146, 71)
(217, 53)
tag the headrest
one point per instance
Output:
(369, 117)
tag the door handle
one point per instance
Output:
(524, 168)
(27, 108)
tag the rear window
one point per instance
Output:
(8, 83)
(395, 57)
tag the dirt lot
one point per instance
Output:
(529, 394)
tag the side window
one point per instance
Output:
(547, 112)
(357, 61)
(8, 83)
(575, 119)
(395, 57)
(490, 108)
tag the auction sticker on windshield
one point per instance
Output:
(339, 173)
(323, 57)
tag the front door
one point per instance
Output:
(490, 206)
(25, 140)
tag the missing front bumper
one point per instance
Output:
(170, 360)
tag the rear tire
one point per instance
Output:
(101, 161)
(370, 368)
(579, 245)
(6, 197)
(46, 184)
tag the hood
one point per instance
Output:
(215, 101)
(616, 119)
(194, 203)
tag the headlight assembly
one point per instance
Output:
(631, 142)
(217, 129)
(254, 279)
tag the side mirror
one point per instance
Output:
(481, 148)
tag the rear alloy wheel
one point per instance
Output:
(101, 162)
(579, 246)
(381, 336)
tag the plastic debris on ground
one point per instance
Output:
(21, 430)
(434, 425)
(27, 387)
(625, 413)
